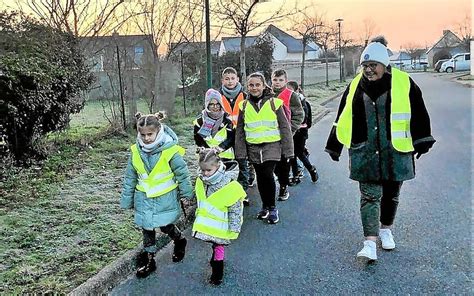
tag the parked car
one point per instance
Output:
(419, 66)
(438, 64)
(459, 62)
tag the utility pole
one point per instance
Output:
(121, 89)
(208, 46)
(339, 21)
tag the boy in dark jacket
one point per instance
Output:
(299, 140)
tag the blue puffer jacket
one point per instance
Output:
(163, 210)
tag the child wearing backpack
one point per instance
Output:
(299, 139)
(219, 207)
(156, 175)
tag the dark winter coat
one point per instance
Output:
(226, 122)
(372, 157)
(258, 153)
(307, 121)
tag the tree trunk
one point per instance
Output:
(303, 62)
(243, 69)
(327, 67)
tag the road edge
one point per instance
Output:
(117, 271)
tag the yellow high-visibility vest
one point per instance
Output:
(161, 179)
(400, 113)
(262, 126)
(218, 138)
(215, 141)
(212, 212)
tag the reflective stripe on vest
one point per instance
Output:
(400, 113)
(161, 179)
(218, 138)
(262, 126)
(233, 113)
(212, 212)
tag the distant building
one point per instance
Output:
(400, 59)
(232, 44)
(447, 46)
(289, 48)
(136, 55)
(285, 46)
(189, 47)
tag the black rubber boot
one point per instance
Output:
(147, 266)
(314, 175)
(179, 249)
(217, 273)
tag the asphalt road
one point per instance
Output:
(312, 250)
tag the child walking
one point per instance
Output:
(219, 207)
(232, 94)
(263, 135)
(155, 172)
(213, 128)
(299, 139)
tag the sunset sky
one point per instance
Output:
(417, 22)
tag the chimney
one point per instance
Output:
(445, 32)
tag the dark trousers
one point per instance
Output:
(299, 141)
(244, 173)
(282, 170)
(266, 183)
(149, 236)
(378, 204)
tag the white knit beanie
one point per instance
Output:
(375, 52)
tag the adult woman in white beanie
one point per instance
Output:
(383, 122)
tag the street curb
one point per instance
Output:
(332, 98)
(114, 273)
(323, 113)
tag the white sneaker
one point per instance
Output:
(369, 250)
(387, 239)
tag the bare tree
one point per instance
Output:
(414, 50)
(168, 23)
(78, 17)
(324, 36)
(369, 30)
(464, 30)
(240, 16)
(307, 29)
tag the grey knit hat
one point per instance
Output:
(212, 94)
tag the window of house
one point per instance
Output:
(468, 57)
(97, 63)
(138, 57)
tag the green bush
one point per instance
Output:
(42, 76)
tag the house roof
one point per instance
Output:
(400, 56)
(193, 46)
(449, 39)
(292, 44)
(233, 43)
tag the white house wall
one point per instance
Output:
(279, 50)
